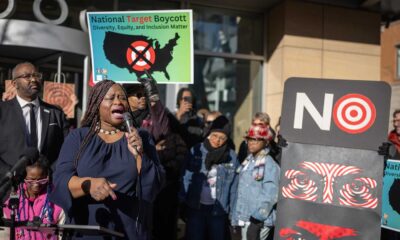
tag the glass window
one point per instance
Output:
(398, 63)
(126, 5)
(220, 30)
(232, 87)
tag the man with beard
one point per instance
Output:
(27, 121)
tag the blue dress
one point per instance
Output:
(113, 161)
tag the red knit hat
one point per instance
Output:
(259, 132)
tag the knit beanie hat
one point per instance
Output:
(221, 124)
(259, 132)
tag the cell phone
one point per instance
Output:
(187, 99)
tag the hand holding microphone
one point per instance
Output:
(135, 144)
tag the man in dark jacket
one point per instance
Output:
(27, 121)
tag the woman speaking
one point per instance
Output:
(106, 176)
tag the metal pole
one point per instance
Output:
(59, 64)
(86, 73)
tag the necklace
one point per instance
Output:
(110, 132)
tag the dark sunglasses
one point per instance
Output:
(208, 122)
(139, 95)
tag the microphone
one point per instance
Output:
(30, 155)
(128, 121)
(129, 125)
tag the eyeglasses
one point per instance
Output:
(216, 137)
(42, 181)
(30, 76)
(207, 123)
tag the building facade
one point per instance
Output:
(244, 50)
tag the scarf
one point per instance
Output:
(215, 155)
(258, 169)
(139, 116)
(394, 138)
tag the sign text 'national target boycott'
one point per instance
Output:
(141, 20)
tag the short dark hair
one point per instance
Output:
(42, 162)
(396, 111)
(14, 70)
(180, 94)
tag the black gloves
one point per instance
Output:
(384, 149)
(282, 141)
(183, 212)
(254, 229)
(150, 87)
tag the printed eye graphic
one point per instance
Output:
(359, 193)
(300, 186)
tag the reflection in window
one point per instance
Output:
(398, 63)
(227, 31)
(229, 86)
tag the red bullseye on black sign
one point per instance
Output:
(354, 113)
(140, 56)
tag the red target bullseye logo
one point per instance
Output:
(140, 55)
(354, 113)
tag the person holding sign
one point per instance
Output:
(108, 174)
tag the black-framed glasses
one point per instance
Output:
(30, 76)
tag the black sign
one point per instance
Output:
(327, 190)
(311, 221)
(343, 113)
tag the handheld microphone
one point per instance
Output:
(30, 155)
(129, 125)
(128, 121)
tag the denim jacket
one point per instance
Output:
(257, 199)
(195, 175)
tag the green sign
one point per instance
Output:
(126, 45)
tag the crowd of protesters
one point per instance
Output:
(179, 164)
